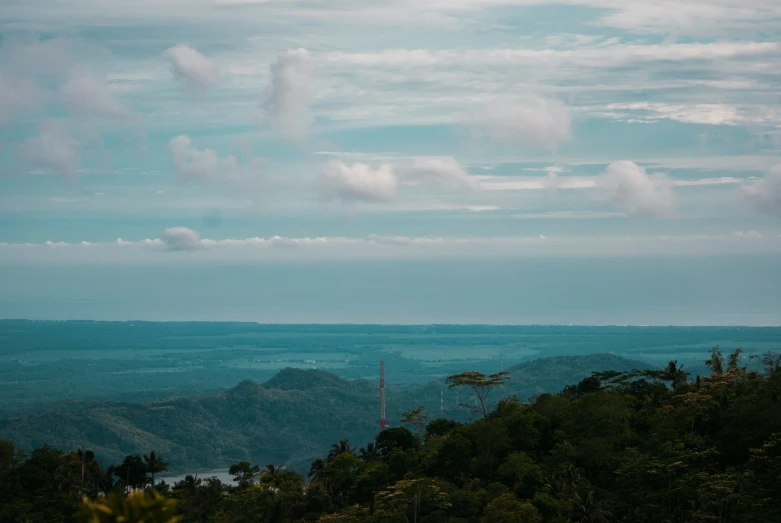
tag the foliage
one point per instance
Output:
(417, 418)
(155, 464)
(288, 419)
(412, 499)
(136, 508)
(480, 384)
(643, 445)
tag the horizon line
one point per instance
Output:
(351, 324)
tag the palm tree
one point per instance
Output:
(674, 374)
(316, 468)
(340, 448)
(189, 485)
(585, 509)
(271, 473)
(370, 453)
(155, 463)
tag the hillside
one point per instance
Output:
(288, 419)
(644, 447)
(49, 366)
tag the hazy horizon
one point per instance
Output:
(658, 291)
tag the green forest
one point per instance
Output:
(287, 419)
(645, 445)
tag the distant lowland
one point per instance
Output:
(210, 394)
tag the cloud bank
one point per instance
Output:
(194, 249)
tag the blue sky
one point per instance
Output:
(306, 138)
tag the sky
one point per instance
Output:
(449, 161)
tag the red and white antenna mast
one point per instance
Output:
(383, 421)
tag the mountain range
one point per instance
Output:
(290, 419)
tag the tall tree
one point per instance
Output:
(716, 361)
(270, 474)
(340, 448)
(154, 464)
(771, 363)
(370, 452)
(244, 474)
(131, 473)
(316, 468)
(411, 499)
(417, 418)
(10, 456)
(674, 374)
(480, 384)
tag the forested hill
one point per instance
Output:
(288, 419)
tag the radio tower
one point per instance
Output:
(383, 421)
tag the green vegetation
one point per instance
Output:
(480, 384)
(641, 445)
(287, 420)
(57, 366)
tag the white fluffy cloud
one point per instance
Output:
(192, 163)
(532, 122)
(192, 68)
(181, 239)
(362, 182)
(444, 172)
(358, 182)
(285, 102)
(765, 195)
(631, 190)
(87, 94)
(52, 149)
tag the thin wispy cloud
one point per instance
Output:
(52, 149)
(764, 195)
(89, 95)
(192, 162)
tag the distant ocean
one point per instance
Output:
(726, 290)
